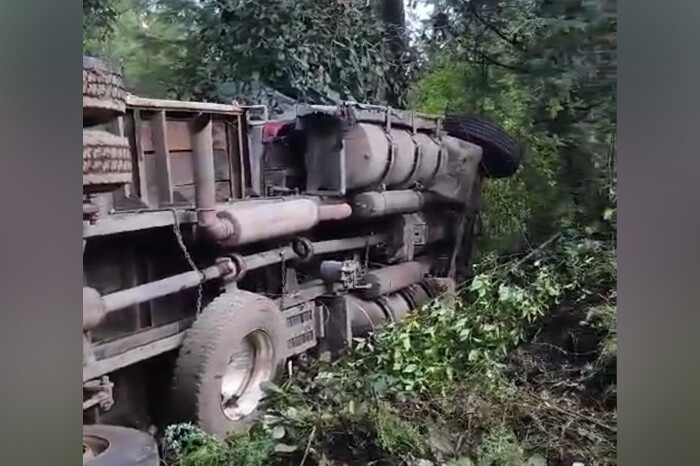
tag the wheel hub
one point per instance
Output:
(247, 369)
(93, 447)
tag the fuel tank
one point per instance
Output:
(394, 158)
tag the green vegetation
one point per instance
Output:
(192, 447)
(520, 365)
(475, 376)
(216, 50)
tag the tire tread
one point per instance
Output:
(502, 153)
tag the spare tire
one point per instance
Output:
(106, 161)
(105, 445)
(103, 92)
(238, 342)
(503, 155)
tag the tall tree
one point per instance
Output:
(564, 54)
(393, 15)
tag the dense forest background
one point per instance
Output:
(544, 69)
(545, 265)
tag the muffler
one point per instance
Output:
(368, 316)
(393, 278)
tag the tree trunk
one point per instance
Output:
(393, 16)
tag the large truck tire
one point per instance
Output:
(105, 445)
(502, 156)
(106, 160)
(104, 97)
(234, 345)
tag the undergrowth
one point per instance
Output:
(517, 367)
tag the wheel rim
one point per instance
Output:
(93, 447)
(246, 370)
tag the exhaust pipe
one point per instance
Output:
(249, 221)
(214, 226)
(368, 316)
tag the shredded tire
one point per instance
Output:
(106, 160)
(206, 352)
(503, 155)
(103, 92)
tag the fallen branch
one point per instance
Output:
(540, 402)
(308, 446)
(536, 250)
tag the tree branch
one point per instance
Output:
(517, 44)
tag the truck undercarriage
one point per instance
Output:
(218, 246)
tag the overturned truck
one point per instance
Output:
(220, 245)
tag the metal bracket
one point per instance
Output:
(418, 160)
(103, 396)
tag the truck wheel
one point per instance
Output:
(105, 445)
(235, 344)
(106, 160)
(103, 92)
(503, 155)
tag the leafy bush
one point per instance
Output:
(190, 446)
(395, 380)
